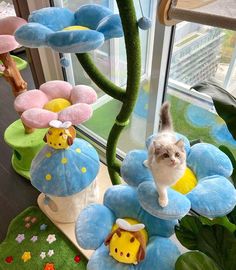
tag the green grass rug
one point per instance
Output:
(34, 243)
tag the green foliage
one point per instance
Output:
(215, 241)
(224, 102)
(230, 155)
(195, 260)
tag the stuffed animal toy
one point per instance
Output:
(127, 241)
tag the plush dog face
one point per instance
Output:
(126, 247)
(60, 138)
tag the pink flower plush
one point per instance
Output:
(8, 26)
(55, 100)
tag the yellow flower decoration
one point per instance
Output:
(26, 256)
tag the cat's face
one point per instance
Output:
(172, 154)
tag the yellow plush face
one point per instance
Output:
(123, 249)
(58, 138)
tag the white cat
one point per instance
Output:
(166, 157)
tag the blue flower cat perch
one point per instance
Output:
(205, 187)
(130, 230)
(97, 221)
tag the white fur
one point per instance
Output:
(166, 172)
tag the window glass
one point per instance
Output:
(111, 60)
(201, 53)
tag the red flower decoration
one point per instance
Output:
(77, 259)
(9, 259)
(49, 266)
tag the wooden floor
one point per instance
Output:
(16, 193)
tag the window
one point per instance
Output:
(199, 53)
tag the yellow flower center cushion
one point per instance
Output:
(57, 104)
(186, 183)
(75, 27)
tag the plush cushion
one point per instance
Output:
(95, 223)
(207, 163)
(65, 172)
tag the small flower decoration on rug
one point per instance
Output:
(49, 266)
(205, 186)
(55, 100)
(68, 32)
(26, 256)
(124, 236)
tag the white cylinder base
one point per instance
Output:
(67, 209)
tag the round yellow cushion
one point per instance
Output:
(57, 104)
(75, 27)
(186, 183)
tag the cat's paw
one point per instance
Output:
(163, 202)
(145, 163)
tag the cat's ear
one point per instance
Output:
(180, 144)
(157, 147)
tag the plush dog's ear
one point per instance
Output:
(69, 140)
(72, 132)
(108, 239)
(141, 253)
(45, 138)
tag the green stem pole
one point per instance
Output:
(128, 97)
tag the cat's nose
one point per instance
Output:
(173, 162)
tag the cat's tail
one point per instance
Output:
(165, 117)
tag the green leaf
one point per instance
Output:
(223, 221)
(195, 260)
(224, 102)
(230, 155)
(232, 216)
(216, 241)
(187, 231)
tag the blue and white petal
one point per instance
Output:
(123, 202)
(206, 160)
(133, 171)
(101, 260)
(177, 207)
(33, 35)
(55, 18)
(75, 41)
(213, 197)
(161, 254)
(111, 27)
(93, 226)
(91, 15)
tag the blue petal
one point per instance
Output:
(55, 18)
(213, 197)
(91, 15)
(177, 207)
(75, 41)
(67, 179)
(133, 171)
(178, 136)
(111, 27)
(161, 254)
(206, 160)
(123, 201)
(32, 35)
(101, 260)
(93, 226)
